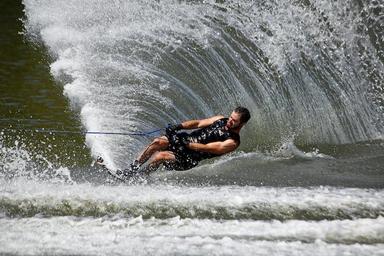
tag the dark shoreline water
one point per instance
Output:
(31, 99)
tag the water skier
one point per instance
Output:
(177, 150)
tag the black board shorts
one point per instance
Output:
(181, 163)
(185, 158)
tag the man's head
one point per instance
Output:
(238, 118)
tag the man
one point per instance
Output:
(213, 137)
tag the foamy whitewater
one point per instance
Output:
(84, 219)
(307, 178)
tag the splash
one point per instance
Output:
(19, 161)
(306, 67)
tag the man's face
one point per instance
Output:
(233, 121)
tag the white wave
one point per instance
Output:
(232, 197)
(84, 236)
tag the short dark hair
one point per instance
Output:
(244, 114)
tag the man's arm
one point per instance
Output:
(218, 148)
(194, 124)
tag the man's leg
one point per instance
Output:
(158, 144)
(159, 158)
